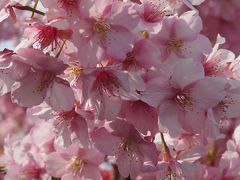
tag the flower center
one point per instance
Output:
(62, 116)
(225, 104)
(74, 71)
(106, 82)
(183, 100)
(126, 146)
(47, 36)
(129, 62)
(175, 45)
(76, 164)
(145, 34)
(101, 28)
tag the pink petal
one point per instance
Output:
(142, 116)
(3, 15)
(208, 92)
(105, 142)
(197, 48)
(70, 176)
(56, 165)
(166, 31)
(119, 42)
(193, 21)
(110, 108)
(39, 60)
(99, 7)
(187, 72)
(5, 81)
(169, 117)
(91, 172)
(60, 96)
(183, 31)
(3, 3)
(29, 91)
(79, 126)
(127, 166)
(158, 90)
(122, 14)
(92, 156)
(194, 120)
(149, 151)
(63, 135)
(89, 52)
(233, 107)
(147, 54)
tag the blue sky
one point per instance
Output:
(6, 44)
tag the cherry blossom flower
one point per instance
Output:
(51, 34)
(119, 89)
(41, 83)
(187, 98)
(180, 35)
(103, 25)
(127, 145)
(74, 163)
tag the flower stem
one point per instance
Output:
(61, 48)
(165, 150)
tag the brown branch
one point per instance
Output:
(27, 8)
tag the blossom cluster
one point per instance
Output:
(111, 89)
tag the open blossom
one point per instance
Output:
(123, 141)
(51, 34)
(141, 115)
(119, 89)
(70, 127)
(186, 96)
(105, 88)
(145, 54)
(9, 74)
(37, 83)
(103, 26)
(74, 163)
(181, 36)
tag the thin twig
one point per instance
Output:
(27, 8)
(61, 48)
(34, 8)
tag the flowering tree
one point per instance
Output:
(120, 89)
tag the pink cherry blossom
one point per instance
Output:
(130, 149)
(187, 98)
(71, 126)
(103, 25)
(47, 35)
(42, 84)
(181, 36)
(74, 163)
(119, 89)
